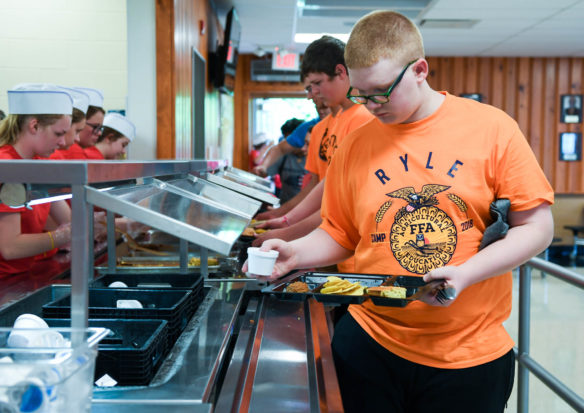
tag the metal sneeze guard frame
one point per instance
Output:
(524, 360)
(78, 174)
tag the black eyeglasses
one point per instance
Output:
(95, 128)
(379, 99)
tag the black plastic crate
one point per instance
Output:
(174, 306)
(132, 353)
(155, 281)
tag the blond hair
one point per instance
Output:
(383, 35)
(14, 124)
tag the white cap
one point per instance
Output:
(80, 98)
(39, 99)
(121, 124)
(95, 96)
(259, 139)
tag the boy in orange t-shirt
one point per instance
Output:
(409, 194)
(325, 74)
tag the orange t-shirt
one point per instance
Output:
(409, 198)
(319, 132)
(330, 132)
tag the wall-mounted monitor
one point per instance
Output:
(224, 60)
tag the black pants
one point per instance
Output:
(372, 379)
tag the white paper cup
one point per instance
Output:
(129, 304)
(261, 262)
(32, 331)
(30, 321)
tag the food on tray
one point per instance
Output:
(387, 291)
(248, 232)
(196, 261)
(260, 230)
(297, 287)
(336, 285)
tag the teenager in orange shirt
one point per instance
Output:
(324, 70)
(409, 194)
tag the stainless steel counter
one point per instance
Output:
(242, 352)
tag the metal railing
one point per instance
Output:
(525, 362)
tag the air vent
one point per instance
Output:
(355, 10)
(448, 23)
(261, 71)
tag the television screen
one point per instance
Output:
(226, 57)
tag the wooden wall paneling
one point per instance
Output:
(164, 79)
(240, 100)
(445, 74)
(576, 77)
(523, 89)
(563, 87)
(510, 92)
(535, 109)
(433, 71)
(458, 75)
(471, 73)
(485, 79)
(550, 127)
(497, 82)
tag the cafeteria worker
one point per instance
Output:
(80, 106)
(116, 134)
(39, 117)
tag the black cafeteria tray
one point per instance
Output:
(315, 280)
(153, 281)
(132, 352)
(174, 306)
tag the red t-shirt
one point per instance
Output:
(74, 152)
(32, 221)
(93, 153)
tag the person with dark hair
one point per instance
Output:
(290, 167)
(289, 126)
(410, 194)
(117, 133)
(88, 136)
(325, 75)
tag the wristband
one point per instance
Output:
(285, 219)
(52, 240)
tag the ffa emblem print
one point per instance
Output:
(422, 236)
(328, 146)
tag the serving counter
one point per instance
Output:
(241, 351)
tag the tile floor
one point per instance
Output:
(557, 339)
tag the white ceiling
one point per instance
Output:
(504, 27)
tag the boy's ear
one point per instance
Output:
(341, 71)
(421, 69)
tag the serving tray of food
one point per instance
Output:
(334, 288)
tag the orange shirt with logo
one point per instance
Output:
(409, 198)
(328, 134)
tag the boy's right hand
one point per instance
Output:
(260, 171)
(285, 262)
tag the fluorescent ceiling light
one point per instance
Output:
(310, 37)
